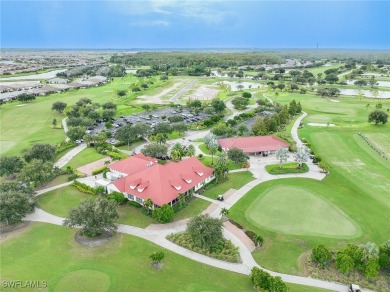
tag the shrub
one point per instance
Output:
(84, 188)
(238, 225)
(99, 170)
(72, 176)
(163, 214)
(321, 255)
(134, 204)
(263, 281)
(117, 197)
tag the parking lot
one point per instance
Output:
(151, 118)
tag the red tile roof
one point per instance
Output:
(133, 164)
(253, 144)
(163, 183)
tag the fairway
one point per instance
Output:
(299, 211)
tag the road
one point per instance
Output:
(182, 91)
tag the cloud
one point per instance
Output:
(211, 12)
(155, 23)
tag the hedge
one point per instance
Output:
(84, 188)
(99, 170)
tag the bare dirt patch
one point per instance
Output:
(93, 241)
(88, 168)
(162, 97)
(203, 92)
(7, 232)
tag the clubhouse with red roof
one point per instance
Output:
(141, 177)
(254, 145)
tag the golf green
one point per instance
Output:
(299, 211)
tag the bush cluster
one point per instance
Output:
(84, 188)
(263, 281)
(99, 170)
(224, 250)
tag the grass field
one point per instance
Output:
(34, 120)
(295, 210)
(86, 156)
(356, 186)
(235, 181)
(122, 264)
(290, 167)
(208, 160)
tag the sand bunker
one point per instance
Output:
(334, 100)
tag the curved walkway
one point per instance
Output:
(158, 235)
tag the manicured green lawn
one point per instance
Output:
(60, 201)
(195, 207)
(290, 167)
(86, 156)
(295, 210)
(49, 252)
(175, 135)
(57, 181)
(235, 181)
(302, 288)
(357, 185)
(24, 125)
(131, 215)
(205, 150)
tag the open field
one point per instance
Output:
(316, 70)
(67, 266)
(34, 120)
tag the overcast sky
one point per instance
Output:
(195, 24)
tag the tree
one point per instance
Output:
(242, 129)
(344, 263)
(76, 133)
(323, 166)
(37, 172)
(246, 94)
(213, 149)
(15, 205)
(179, 127)
(10, 165)
(161, 138)
(218, 105)
(108, 113)
(384, 256)
(378, 117)
(210, 140)
(100, 138)
(156, 258)
(360, 82)
(258, 240)
(54, 123)
(224, 213)
(109, 105)
(369, 250)
(155, 150)
(240, 103)
(94, 216)
(164, 214)
(164, 128)
(371, 268)
(302, 155)
(282, 154)
(146, 107)
(59, 106)
(177, 151)
(237, 155)
(121, 93)
(190, 150)
(205, 231)
(259, 128)
(332, 78)
(148, 204)
(321, 255)
(221, 167)
(263, 281)
(45, 152)
(126, 134)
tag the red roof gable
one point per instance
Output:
(253, 143)
(164, 183)
(133, 164)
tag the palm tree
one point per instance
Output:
(148, 204)
(224, 213)
(221, 168)
(161, 138)
(190, 150)
(258, 240)
(177, 151)
(88, 138)
(175, 155)
(212, 149)
(369, 250)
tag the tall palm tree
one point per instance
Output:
(213, 149)
(224, 213)
(190, 150)
(148, 204)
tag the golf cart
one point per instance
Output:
(220, 198)
(354, 288)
